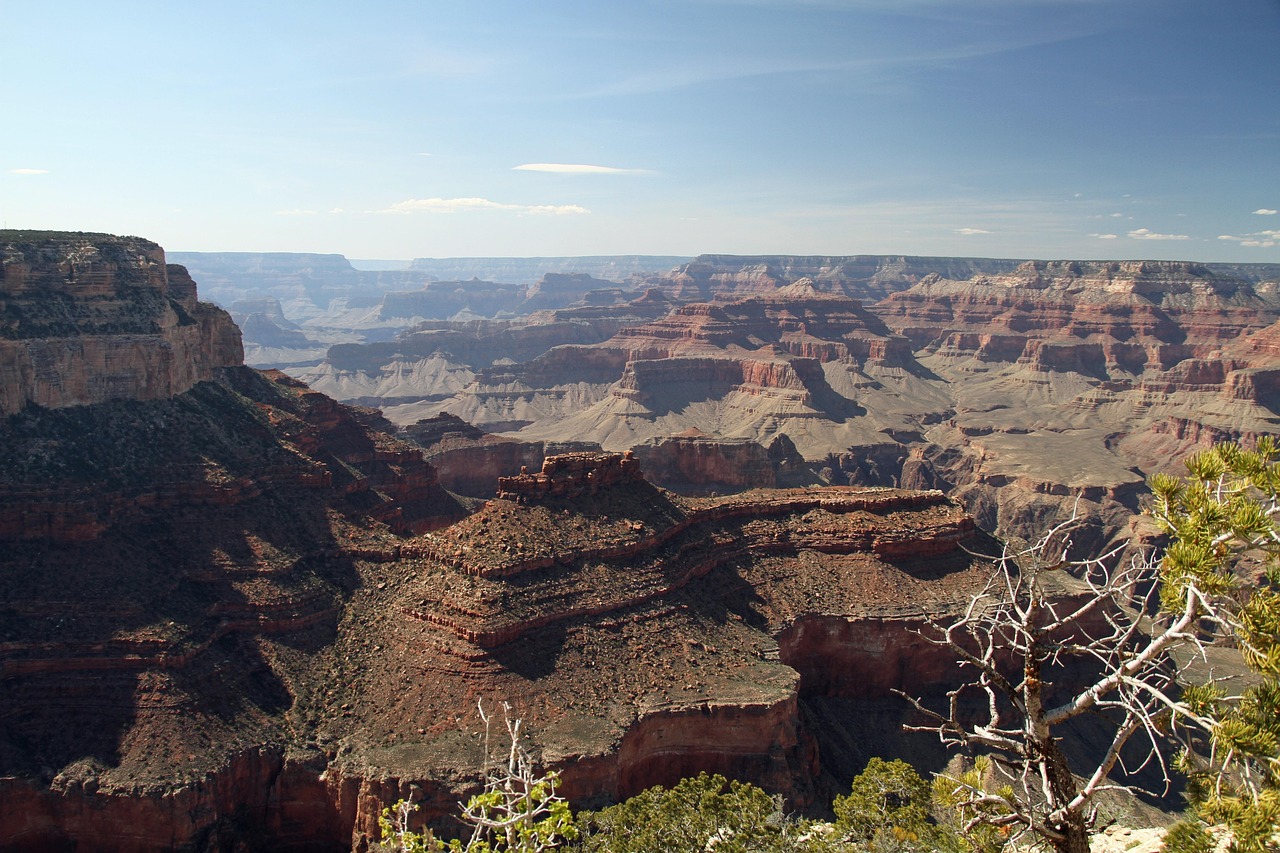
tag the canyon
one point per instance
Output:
(236, 611)
(1025, 389)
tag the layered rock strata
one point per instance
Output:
(1022, 388)
(246, 614)
(86, 319)
(273, 661)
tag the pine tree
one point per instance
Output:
(1227, 511)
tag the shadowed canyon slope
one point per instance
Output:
(237, 611)
(1018, 388)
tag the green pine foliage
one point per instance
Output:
(1226, 509)
(887, 807)
(708, 812)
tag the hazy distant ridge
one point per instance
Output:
(529, 270)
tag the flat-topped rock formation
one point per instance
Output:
(1083, 378)
(246, 614)
(869, 277)
(643, 637)
(86, 318)
(282, 638)
(1020, 386)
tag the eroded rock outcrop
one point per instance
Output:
(1080, 379)
(1019, 389)
(86, 318)
(248, 614)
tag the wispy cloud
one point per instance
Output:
(1144, 234)
(28, 171)
(1258, 239)
(703, 69)
(971, 231)
(1104, 236)
(1265, 211)
(577, 169)
(463, 205)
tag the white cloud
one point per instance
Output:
(1104, 236)
(577, 169)
(1258, 239)
(1265, 211)
(455, 205)
(422, 154)
(971, 231)
(28, 171)
(1144, 234)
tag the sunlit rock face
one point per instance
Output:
(234, 611)
(87, 318)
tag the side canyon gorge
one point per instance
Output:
(686, 521)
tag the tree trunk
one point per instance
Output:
(1072, 828)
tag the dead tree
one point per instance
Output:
(1033, 661)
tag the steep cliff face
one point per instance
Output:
(277, 664)
(858, 276)
(87, 318)
(697, 464)
(1019, 389)
(245, 614)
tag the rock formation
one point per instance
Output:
(858, 276)
(246, 614)
(1081, 379)
(85, 319)
(1020, 387)
(560, 290)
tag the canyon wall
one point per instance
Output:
(86, 319)
(244, 613)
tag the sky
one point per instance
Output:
(1048, 129)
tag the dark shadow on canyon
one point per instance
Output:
(533, 655)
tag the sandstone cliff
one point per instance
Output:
(87, 318)
(246, 614)
(1019, 388)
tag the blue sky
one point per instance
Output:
(999, 128)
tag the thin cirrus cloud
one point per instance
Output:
(28, 171)
(1104, 236)
(969, 232)
(1145, 234)
(577, 169)
(468, 205)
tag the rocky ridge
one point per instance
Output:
(86, 320)
(246, 613)
(1020, 388)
